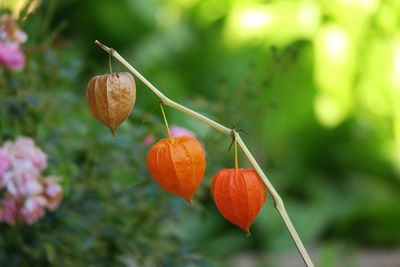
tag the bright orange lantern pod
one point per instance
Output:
(239, 195)
(177, 164)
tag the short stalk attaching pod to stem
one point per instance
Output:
(278, 203)
(165, 119)
(236, 157)
(234, 143)
(109, 59)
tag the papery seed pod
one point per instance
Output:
(239, 196)
(111, 98)
(177, 164)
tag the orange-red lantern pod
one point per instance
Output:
(177, 164)
(239, 195)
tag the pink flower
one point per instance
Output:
(10, 31)
(180, 131)
(27, 194)
(20, 36)
(32, 209)
(149, 140)
(24, 151)
(11, 56)
(11, 37)
(24, 183)
(8, 209)
(4, 163)
(53, 192)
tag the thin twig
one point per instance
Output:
(278, 203)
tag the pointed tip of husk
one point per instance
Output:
(189, 200)
(113, 131)
(246, 230)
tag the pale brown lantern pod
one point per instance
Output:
(111, 97)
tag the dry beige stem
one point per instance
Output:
(111, 98)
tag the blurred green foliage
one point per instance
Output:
(314, 83)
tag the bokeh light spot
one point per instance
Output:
(253, 18)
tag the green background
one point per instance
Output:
(315, 84)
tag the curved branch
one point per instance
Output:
(278, 203)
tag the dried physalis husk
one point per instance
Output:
(111, 98)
